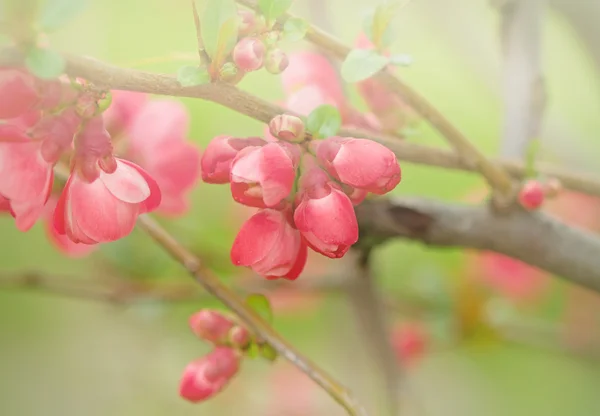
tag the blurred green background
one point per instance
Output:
(64, 356)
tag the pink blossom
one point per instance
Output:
(4, 204)
(324, 214)
(269, 245)
(306, 99)
(207, 376)
(157, 142)
(18, 92)
(123, 109)
(263, 176)
(62, 242)
(248, 54)
(217, 157)
(210, 325)
(360, 163)
(106, 208)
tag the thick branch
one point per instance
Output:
(532, 237)
(493, 173)
(116, 78)
(524, 95)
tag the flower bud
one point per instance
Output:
(230, 73)
(239, 337)
(210, 325)
(248, 22)
(287, 127)
(276, 61)
(249, 54)
(531, 195)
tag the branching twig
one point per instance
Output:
(252, 320)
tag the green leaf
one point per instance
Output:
(295, 29)
(261, 305)
(268, 352)
(215, 14)
(324, 121)
(401, 60)
(253, 350)
(45, 63)
(530, 158)
(191, 75)
(272, 9)
(361, 64)
(55, 13)
(227, 39)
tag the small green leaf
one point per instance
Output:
(214, 16)
(227, 39)
(530, 158)
(272, 9)
(324, 121)
(378, 32)
(55, 13)
(45, 63)
(401, 60)
(295, 29)
(361, 64)
(191, 75)
(253, 350)
(261, 305)
(268, 352)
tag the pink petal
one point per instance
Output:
(159, 122)
(306, 99)
(256, 238)
(126, 183)
(23, 173)
(60, 240)
(153, 201)
(298, 266)
(277, 174)
(123, 109)
(17, 89)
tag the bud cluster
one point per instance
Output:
(304, 189)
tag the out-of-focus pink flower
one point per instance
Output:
(248, 54)
(207, 376)
(269, 245)
(18, 89)
(263, 176)
(157, 142)
(309, 68)
(360, 163)
(409, 342)
(210, 325)
(217, 157)
(324, 214)
(239, 337)
(106, 208)
(61, 241)
(123, 109)
(291, 393)
(306, 99)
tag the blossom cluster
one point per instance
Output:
(305, 192)
(45, 123)
(205, 377)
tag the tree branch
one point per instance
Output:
(524, 95)
(116, 78)
(492, 172)
(532, 237)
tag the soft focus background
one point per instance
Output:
(490, 347)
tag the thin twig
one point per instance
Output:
(201, 52)
(493, 173)
(251, 319)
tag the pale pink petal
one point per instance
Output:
(309, 68)
(153, 201)
(23, 173)
(126, 184)
(157, 123)
(256, 238)
(306, 99)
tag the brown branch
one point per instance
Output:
(493, 173)
(524, 95)
(248, 316)
(116, 78)
(532, 237)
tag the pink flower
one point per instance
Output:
(207, 376)
(360, 163)
(4, 204)
(157, 142)
(269, 245)
(263, 176)
(217, 157)
(18, 92)
(324, 214)
(61, 241)
(306, 99)
(25, 178)
(312, 69)
(106, 208)
(248, 54)
(210, 325)
(123, 109)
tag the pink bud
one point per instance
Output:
(210, 325)
(248, 23)
(531, 195)
(249, 54)
(262, 177)
(287, 127)
(269, 245)
(276, 61)
(207, 376)
(360, 163)
(217, 157)
(17, 89)
(409, 342)
(239, 337)
(324, 214)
